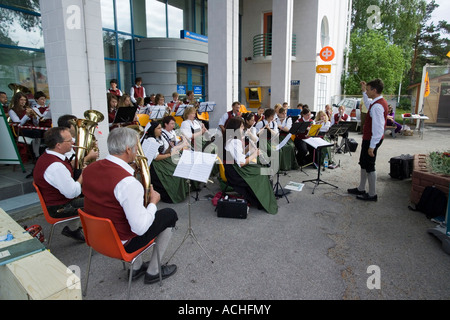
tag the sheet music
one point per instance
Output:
(150, 148)
(194, 165)
(158, 112)
(283, 143)
(180, 110)
(317, 142)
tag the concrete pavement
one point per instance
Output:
(318, 246)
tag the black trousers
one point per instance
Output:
(164, 218)
(365, 161)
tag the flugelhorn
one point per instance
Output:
(142, 168)
(35, 114)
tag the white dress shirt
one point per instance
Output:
(236, 149)
(378, 121)
(187, 126)
(129, 192)
(59, 177)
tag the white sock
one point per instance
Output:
(372, 177)
(362, 183)
(163, 241)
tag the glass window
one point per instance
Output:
(109, 44)
(175, 10)
(324, 33)
(124, 46)
(24, 67)
(126, 76)
(182, 78)
(108, 14)
(21, 29)
(123, 15)
(156, 19)
(110, 71)
(32, 5)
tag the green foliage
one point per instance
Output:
(439, 162)
(373, 56)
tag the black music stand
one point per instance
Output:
(206, 106)
(125, 114)
(278, 189)
(157, 112)
(345, 126)
(180, 110)
(318, 144)
(300, 128)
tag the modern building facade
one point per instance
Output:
(259, 52)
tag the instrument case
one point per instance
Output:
(232, 208)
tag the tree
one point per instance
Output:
(373, 56)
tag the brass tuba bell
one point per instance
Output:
(142, 169)
(84, 135)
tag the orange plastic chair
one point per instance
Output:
(143, 119)
(48, 218)
(101, 236)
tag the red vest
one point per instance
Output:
(344, 117)
(230, 115)
(138, 92)
(99, 180)
(51, 195)
(117, 92)
(367, 129)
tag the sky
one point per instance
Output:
(442, 12)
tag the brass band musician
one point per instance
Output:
(111, 191)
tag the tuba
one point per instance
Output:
(84, 135)
(142, 168)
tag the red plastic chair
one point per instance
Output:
(101, 236)
(48, 218)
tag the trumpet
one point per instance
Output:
(35, 114)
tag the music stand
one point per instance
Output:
(345, 126)
(157, 112)
(318, 144)
(125, 114)
(300, 128)
(195, 166)
(180, 110)
(206, 106)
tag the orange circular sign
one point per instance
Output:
(327, 54)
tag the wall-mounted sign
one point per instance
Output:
(295, 82)
(181, 89)
(198, 90)
(184, 34)
(326, 68)
(327, 54)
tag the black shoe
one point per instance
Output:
(138, 273)
(76, 234)
(366, 197)
(356, 191)
(166, 271)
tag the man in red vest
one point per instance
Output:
(234, 112)
(373, 134)
(137, 91)
(111, 191)
(53, 174)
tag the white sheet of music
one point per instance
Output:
(150, 148)
(317, 142)
(195, 165)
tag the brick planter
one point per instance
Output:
(422, 177)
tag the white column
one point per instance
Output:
(73, 42)
(282, 13)
(223, 60)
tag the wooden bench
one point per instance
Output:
(37, 276)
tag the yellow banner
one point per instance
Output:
(427, 85)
